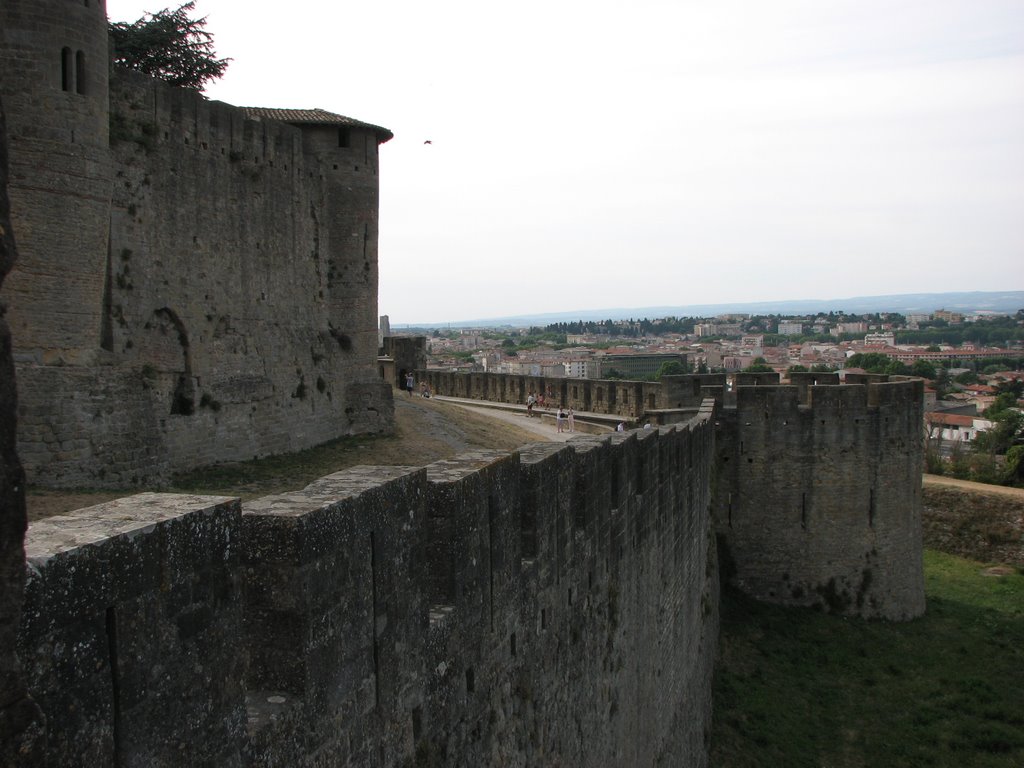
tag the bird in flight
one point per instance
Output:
(428, 141)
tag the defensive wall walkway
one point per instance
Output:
(585, 422)
(556, 605)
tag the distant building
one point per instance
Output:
(953, 318)
(790, 328)
(576, 369)
(954, 427)
(880, 340)
(635, 366)
(855, 327)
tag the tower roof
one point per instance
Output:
(313, 117)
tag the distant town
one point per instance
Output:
(973, 363)
(646, 348)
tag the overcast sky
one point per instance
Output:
(589, 154)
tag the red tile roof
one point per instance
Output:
(313, 117)
(949, 419)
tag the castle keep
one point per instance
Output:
(197, 282)
(553, 606)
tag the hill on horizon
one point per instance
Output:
(965, 302)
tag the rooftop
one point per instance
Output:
(313, 117)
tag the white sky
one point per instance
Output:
(588, 154)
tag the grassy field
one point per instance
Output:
(796, 688)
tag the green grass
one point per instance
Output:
(274, 474)
(798, 688)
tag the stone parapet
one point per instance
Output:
(130, 632)
(554, 605)
(818, 495)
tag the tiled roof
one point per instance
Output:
(980, 389)
(313, 117)
(949, 419)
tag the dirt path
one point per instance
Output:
(967, 485)
(542, 430)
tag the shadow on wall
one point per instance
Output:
(19, 716)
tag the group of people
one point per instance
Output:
(410, 384)
(564, 417)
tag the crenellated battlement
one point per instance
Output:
(817, 490)
(818, 495)
(374, 614)
(677, 397)
(469, 610)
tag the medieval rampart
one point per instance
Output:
(194, 285)
(818, 498)
(817, 494)
(554, 606)
(628, 399)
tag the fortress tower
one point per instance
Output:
(198, 281)
(345, 150)
(54, 81)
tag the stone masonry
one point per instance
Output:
(20, 721)
(817, 491)
(555, 606)
(197, 282)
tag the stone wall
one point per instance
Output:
(20, 724)
(53, 78)
(553, 606)
(131, 629)
(818, 485)
(630, 400)
(409, 355)
(818, 496)
(196, 286)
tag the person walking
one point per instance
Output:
(410, 382)
(571, 420)
(559, 418)
(529, 404)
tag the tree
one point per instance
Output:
(1013, 472)
(168, 45)
(872, 362)
(759, 365)
(967, 377)
(923, 368)
(671, 368)
(1007, 424)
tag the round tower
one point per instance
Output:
(54, 73)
